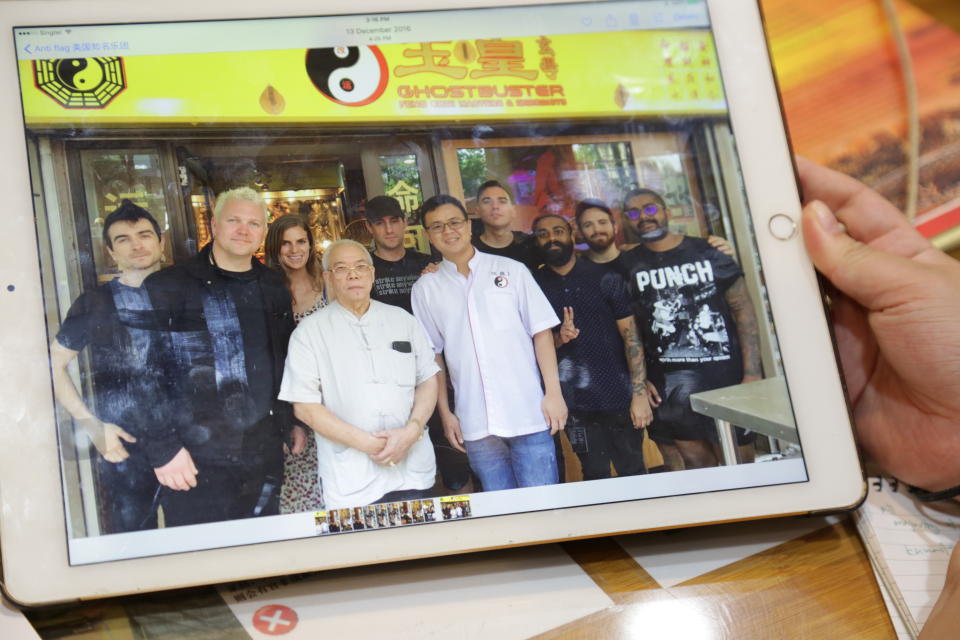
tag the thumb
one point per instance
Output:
(126, 436)
(873, 278)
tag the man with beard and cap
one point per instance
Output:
(698, 325)
(600, 360)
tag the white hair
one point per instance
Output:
(346, 242)
(240, 193)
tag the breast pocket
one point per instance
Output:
(403, 368)
(502, 310)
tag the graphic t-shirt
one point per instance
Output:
(682, 313)
(395, 278)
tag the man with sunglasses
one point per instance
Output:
(698, 325)
(362, 375)
(490, 325)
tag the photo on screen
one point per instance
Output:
(585, 153)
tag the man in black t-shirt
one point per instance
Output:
(698, 325)
(599, 357)
(497, 213)
(122, 368)
(395, 267)
(224, 321)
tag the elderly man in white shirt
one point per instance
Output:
(492, 324)
(362, 375)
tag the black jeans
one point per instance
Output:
(601, 437)
(225, 492)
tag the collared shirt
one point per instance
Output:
(484, 324)
(365, 371)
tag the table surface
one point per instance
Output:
(763, 406)
(816, 586)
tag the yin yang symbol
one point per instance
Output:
(79, 74)
(351, 76)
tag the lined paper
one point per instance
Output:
(909, 543)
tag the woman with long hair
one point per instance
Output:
(290, 250)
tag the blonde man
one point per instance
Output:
(223, 321)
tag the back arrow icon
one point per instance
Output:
(26, 48)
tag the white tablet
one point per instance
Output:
(664, 110)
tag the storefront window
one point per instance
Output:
(557, 173)
(401, 180)
(111, 176)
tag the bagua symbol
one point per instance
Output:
(81, 83)
(351, 76)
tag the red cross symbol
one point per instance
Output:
(275, 620)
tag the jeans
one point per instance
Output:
(508, 463)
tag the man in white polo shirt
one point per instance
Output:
(488, 318)
(362, 375)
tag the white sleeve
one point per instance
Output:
(423, 352)
(421, 310)
(301, 371)
(535, 310)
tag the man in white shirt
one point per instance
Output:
(362, 375)
(491, 328)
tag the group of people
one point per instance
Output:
(193, 383)
(206, 393)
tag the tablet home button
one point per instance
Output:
(782, 226)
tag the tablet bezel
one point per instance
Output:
(32, 525)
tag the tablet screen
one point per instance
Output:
(590, 150)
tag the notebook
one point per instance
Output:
(909, 544)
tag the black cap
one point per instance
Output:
(383, 206)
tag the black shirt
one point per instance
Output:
(394, 278)
(251, 332)
(683, 316)
(616, 265)
(594, 375)
(122, 365)
(522, 249)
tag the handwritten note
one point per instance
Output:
(909, 543)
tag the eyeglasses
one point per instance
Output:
(342, 270)
(649, 209)
(439, 227)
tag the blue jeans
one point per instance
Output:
(508, 463)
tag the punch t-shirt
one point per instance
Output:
(682, 314)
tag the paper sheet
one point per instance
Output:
(505, 594)
(899, 626)
(13, 624)
(673, 557)
(910, 544)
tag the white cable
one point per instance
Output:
(913, 116)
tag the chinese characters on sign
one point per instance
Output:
(483, 60)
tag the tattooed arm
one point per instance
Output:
(640, 412)
(745, 316)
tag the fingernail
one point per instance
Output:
(827, 221)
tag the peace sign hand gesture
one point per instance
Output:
(568, 331)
